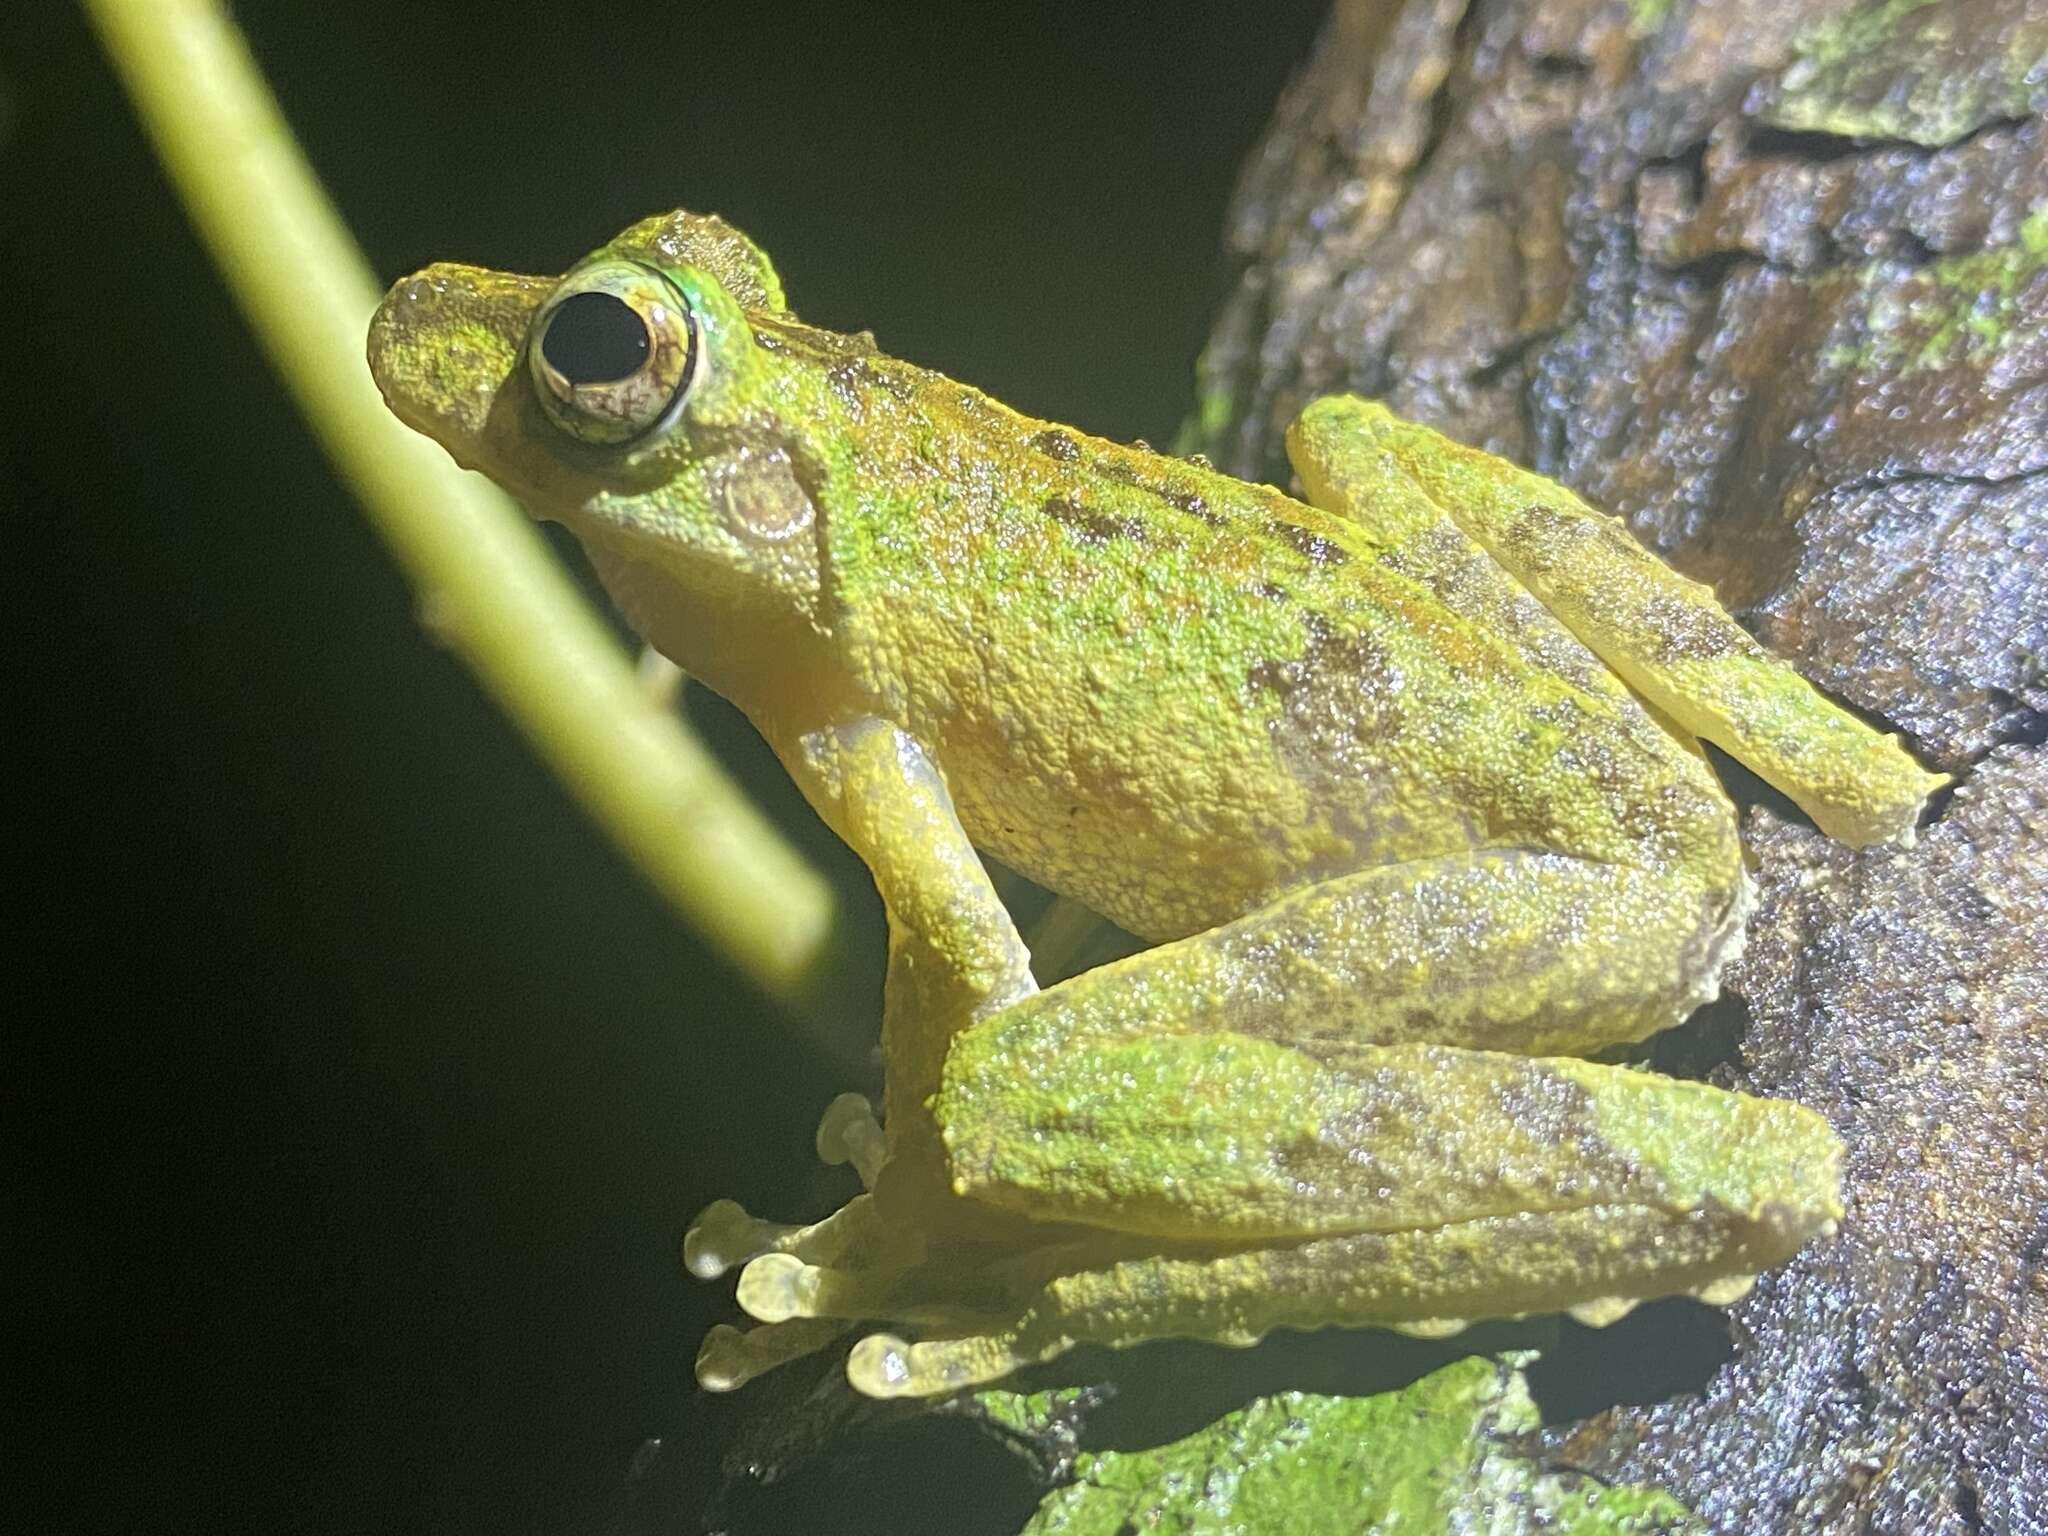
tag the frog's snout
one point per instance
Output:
(444, 342)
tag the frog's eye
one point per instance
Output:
(612, 351)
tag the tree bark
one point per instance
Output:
(1769, 279)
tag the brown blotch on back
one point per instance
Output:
(1092, 526)
(1311, 544)
(1189, 503)
(1195, 505)
(850, 376)
(1329, 693)
(1055, 444)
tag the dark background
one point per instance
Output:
(365, 1090)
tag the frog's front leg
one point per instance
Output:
(1242, 1156)
(954, 956)
(954, 953)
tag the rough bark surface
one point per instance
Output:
(1769, 278)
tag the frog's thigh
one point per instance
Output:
(1305, 1065)
(1304, 1177)
(1499, 949)
(954, 953)
(1667, 637)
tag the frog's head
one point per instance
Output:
(630, 400)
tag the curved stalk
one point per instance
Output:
(488, 586)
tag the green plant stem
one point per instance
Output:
(488, 585)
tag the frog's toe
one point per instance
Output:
(1602, 1310)
(779, 1286)
(882, 1365)
(724, 1236)
(850, 1133)
(1431, 1327)
(731, 1357)
(1729, 1289)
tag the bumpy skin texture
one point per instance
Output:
(1406, 782)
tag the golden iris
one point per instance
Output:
(612, 351)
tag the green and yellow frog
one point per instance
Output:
(1403, 780)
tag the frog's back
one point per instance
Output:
(1173, 694)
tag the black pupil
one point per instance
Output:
(595, 338)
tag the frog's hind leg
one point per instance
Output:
(1429, 1282)
(1310, 1069)
(1267, 1117)
(1501, 949)
(1665, 636)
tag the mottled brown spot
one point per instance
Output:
(1281, 677)
(1672, 627)
(1544, 536)
(1271, 591)
(1055, 444)
(856, 374)
(1330, 691)
(1689, 631)
(1093, 527)
(1470, 583)
(1190, 503)
(1335, 713)
(1556, 1113)
(1311, 544)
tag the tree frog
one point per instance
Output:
(1402, 779)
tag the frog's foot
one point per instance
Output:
(913, 1255)
(724, 1236)
(978, 1305)
(806, 1282)
(816, 1282)
(1254, 1183)
(1429, 1283)
(1034, 1303)
(969, 1292)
